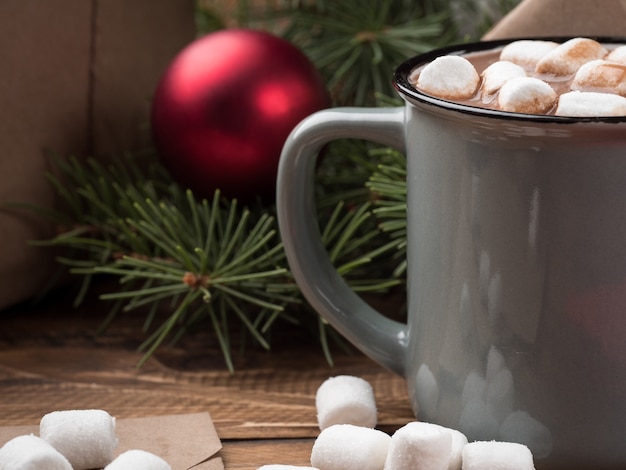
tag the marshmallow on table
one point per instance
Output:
(86, 437)
(494, 455)
(30, 452)
(349, 447)
(419, 446)
(569, 56)
(526, 95)
(449, 77)
(601, 76)
(589, 104)
(284, 467)
(498, 73)
(345, 399)
(527, 53)
(138, 460)
(458, 441)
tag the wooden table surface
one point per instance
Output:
(52, 359)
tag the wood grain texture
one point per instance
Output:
(51, 358)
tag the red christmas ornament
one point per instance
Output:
(225, 106)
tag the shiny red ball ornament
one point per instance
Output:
(225, 106)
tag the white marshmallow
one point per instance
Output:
(493, 455)
(86, 437)
(345, 400)
(526, 95)
(284, 467)
(30, 452)
(449, 77)
(138, 459)
(419, 446)
(618, 55)
(569, 56)
(498, 73)
(348, 447)
(601, 76)
(526, 53)
(588, 104)
(459, 440)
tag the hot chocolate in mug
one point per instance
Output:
(516, 325)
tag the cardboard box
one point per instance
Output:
(76, 77)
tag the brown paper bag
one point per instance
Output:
(587, 18)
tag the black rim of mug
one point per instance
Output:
(402, 85)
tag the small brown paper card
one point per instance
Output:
(536, 18)
(184, 441)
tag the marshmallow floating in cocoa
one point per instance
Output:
(601, 76)
(570, 55)
(590, 104)
(498, 73)
(449, 77)
(527, 52)
(526, 95)
(617, 55)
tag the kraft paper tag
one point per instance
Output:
(184, 441)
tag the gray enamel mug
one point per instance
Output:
(516, 325)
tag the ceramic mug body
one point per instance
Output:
(516, 325)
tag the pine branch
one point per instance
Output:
(198, 260)
(356, 48)
(164, 247)
(388, 187)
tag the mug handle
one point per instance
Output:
(379, 337)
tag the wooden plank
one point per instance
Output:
(249, 404)
(250, 455)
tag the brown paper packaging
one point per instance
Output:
(561, 18)
(76, 77)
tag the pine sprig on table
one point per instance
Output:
(200, 261)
